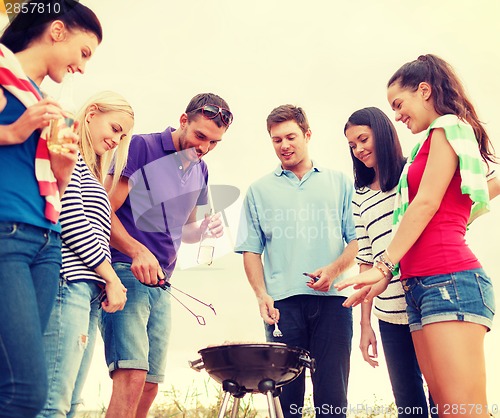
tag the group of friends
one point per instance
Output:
(90, 234)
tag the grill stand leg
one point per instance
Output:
(268, 387)
(277, 406)
(271, 405)
(236, 405)
(223, 407)
(231, 388)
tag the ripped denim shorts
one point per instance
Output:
(462, 296)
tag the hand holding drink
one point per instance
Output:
(62, 130)
(212, 230)
(207, 244)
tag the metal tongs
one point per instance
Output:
(165, 285)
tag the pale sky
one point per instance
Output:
(331, 58)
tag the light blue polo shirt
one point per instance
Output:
(298, 225)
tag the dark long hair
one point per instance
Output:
(390, 160)
(27, 27)
(448, 94)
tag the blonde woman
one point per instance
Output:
(104, 125)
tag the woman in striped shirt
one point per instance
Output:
(450, 298)
(104, 125)
(378, 162)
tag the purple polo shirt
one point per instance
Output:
(162, 196)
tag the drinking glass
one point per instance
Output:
(60, 128)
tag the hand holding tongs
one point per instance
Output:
(165, 285)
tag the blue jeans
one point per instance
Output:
(69, 343)
(322, 326)
(137, 337)
(404, 372)
(30, 260)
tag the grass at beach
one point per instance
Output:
(205, 402)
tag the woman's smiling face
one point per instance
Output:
(361, 141)
(71, 51)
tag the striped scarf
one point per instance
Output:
(13, 79)
(472, 168)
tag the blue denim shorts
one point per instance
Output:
(463, 296)
(137, 337)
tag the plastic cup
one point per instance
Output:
(59, 130)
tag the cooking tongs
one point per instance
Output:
(165, 285)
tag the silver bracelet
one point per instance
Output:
(390, 266)
(378, 265)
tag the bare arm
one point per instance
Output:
(62, 164)
(192, 230)
(34, 117)
(115, 291)
(368, 337)
(145, 266)
(493, 191)
(88, 248)
(440, 168)
(329, 273)
(493, 187)
(38, 117)
(254, 270)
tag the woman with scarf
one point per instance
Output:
(449, 296)
(39, 42)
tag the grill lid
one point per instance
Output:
(248, 364)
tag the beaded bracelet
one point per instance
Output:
(388, 257)
(378, 265)
(386, 262)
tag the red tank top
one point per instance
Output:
(441, 248)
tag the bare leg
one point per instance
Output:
(456, 367)
(128, 385)
(424, 363)
(148, 396)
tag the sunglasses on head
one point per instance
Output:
(211, 111)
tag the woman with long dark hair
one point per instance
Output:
(52, 40)
(450, 298)
(378, 162)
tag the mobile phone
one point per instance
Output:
(315, 278)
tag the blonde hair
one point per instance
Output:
(106, 101)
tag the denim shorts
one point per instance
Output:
(463, 296)
(137, 337)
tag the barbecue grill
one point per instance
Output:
(253, 368)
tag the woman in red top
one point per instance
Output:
(450, 299)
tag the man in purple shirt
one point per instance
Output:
(155, 204)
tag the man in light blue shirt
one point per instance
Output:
(299, 218)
